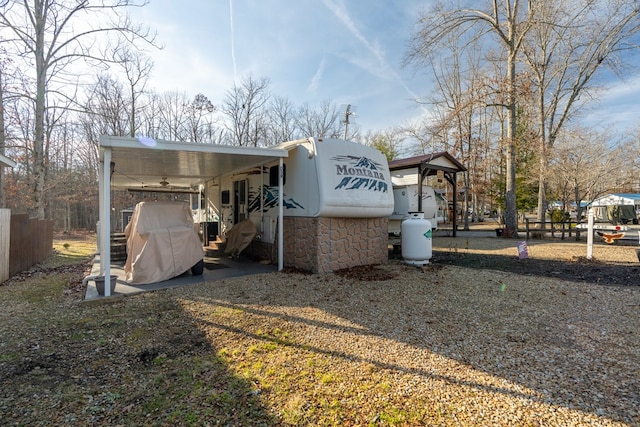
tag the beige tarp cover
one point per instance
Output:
(162, 242)
(239, 237)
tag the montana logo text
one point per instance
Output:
(359, 173)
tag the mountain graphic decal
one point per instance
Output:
(270, 196)
(359, 173)
(364, 162)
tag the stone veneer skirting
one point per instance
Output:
(322, 245)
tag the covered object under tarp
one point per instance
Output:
(162, 242)
(239, 237)
(128, 163)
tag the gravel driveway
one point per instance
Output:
(492, 347)
(478, 337)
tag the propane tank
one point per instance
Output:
(416, 239)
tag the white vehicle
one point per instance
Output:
(322, 178)
(406, 201)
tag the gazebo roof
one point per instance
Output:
(431, 162)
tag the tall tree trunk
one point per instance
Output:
(511, 220)
(544, 159)
(41, 78)
(67, 216)
(2, 137)
(132, 131)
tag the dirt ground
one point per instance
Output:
(617, 264)
(462, 341)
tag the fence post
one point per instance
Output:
(5, 240)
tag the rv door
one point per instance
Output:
(240, 201)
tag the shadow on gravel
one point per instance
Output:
(558, 356)
(133, 361)
(579, 270)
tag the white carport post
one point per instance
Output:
(105, 220)
(280, 209)
(590, 234)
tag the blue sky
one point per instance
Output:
(617, 107)
(344, 51)
(348, 52)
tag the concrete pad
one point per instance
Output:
(216, 268)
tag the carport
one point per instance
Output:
(135, 163)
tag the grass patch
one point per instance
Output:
(71, 250)
(45, 288)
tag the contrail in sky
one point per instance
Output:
(338, 9)
(343, 16)
(233, 49)
(317, 76)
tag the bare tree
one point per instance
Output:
(585, 166)
(45, 33)
(2, 133)
(634, 158)
(282, 120)
(458, 98)
(171, 113)
(507, 22)
(199, 119)
(105, 113)
(428, 134)
(565, 49)
(245, 107)
(137, 69)
(323, 121)
(12, 83)
(106, 108)
(149, 121)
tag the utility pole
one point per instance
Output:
(347, 113)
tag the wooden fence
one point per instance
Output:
(540, 229)
(30, 242)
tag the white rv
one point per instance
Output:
(322, 178)
(405, 195)
(406, 200)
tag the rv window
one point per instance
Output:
(273, 175)
(225, 197)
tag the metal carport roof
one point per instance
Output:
(139, 162)
(127, 162)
